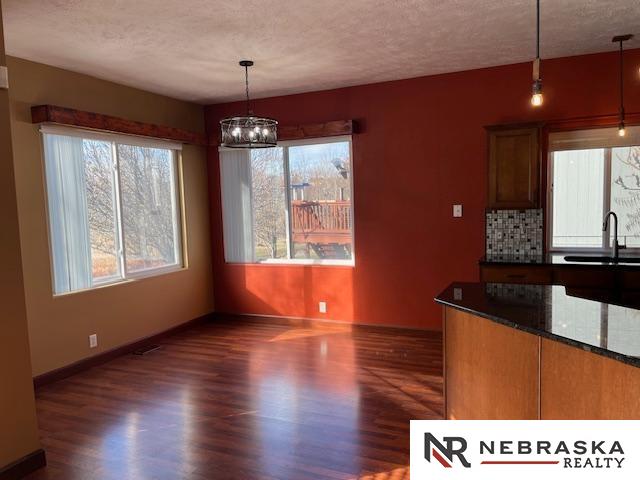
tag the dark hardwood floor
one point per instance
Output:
(242, 398)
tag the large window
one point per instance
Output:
(291, 203)
(589, 176)
(113, 207)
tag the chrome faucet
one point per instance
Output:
(616, 247)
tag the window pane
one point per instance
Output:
(625, 193)
(578, 190)
(101, 210)
(269, 205)
(320, 182)
(149, 207)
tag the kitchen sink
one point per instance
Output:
(600, 259)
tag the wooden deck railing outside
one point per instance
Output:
(321, 221)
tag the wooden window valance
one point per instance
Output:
(97, 121)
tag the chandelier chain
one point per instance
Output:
(246, 83)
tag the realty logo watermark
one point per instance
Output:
(528, 449)
(455, 447)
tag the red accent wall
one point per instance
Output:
(422, 148)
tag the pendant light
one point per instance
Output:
(248, 131)
(620, 39)
(536, 93)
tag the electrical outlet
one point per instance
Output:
(322, 307)
(457, 211)
(93, 341)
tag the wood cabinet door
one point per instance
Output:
(490, 370)
(514, 167)
(579, 385)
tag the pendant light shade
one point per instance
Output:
(536, 90)
(621, 39)
(248, 131)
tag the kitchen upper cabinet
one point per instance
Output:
(514, 167)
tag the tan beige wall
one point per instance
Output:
(59, 326)
(18, 429)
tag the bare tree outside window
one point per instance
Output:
(148, 206)
(625, 192)
(148, 210)
(269, 206)
(101, 208)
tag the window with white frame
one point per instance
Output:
(113, 207)
(290, 203)
(592, 172)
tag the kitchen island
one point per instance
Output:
(518, 351)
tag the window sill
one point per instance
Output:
(121, 281)
(592, 251)
(300, 262)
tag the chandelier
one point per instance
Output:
(248, 131)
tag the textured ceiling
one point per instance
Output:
(189, 49)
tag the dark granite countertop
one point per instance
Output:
(552, 259)
(599, 321)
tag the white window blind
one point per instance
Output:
(235, 173)
(68, 214)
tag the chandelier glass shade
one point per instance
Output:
(248, 131)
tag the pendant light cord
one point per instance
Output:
(537, 28)
(246, 83)
(621, 84)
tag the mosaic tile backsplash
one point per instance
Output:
(514, 232)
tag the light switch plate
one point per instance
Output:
(4, 78)
(322, 307)
(457, 211)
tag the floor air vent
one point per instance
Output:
(147, 349)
